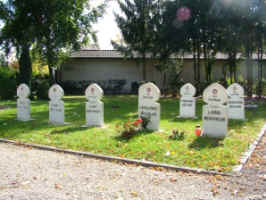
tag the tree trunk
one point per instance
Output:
(50, 62)
(51, 76)
(144, 67)
(194, 62)
(249, 68)
(25, 66)
(198, 61)
(260, 56)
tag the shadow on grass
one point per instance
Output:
(129, 137)
(205, 142)
(68, 130)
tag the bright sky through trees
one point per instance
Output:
(107, 27)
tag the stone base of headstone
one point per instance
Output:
(59, 124)
(252, 106)
(186, 117)
(151, 111)
(89, 126)
(215, 121)
(24, 120)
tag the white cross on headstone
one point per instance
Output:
(23, 103)
(56, 105)
(148, 107)
(236, 104)
(94, 106)
(187, 101)
(215, 114)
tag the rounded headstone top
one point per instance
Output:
(149, 92)
(235, 90)
(188, 90)
(56, 92)
(94, 91)
(23, 91)
(215, 94)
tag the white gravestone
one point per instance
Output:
(236, 104)
(187, 101)
(23, 103)
(148, 107)
(215, 114)
(94, 106)
(56, 105)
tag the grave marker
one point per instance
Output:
(187, 101)
(148, 107)
(56, 105)
(236, 104)
(215, 114)
(23, 103)
(94, 106)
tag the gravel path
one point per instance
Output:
(31, 174)
(36, 174)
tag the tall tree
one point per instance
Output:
(18, 32)
(51, 24)
(137, 27)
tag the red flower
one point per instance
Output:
(137, 122)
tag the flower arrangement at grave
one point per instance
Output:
(131, 128)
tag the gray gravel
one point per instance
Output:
(31, 174)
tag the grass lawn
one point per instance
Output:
(193, 151)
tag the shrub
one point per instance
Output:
(40, 86)
(177, 135)
(8, 83)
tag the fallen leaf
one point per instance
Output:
(134, 194)
(172, 179)
(58, 187)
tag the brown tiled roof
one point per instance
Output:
(96, 54)
(116, 54)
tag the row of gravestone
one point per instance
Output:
(215, 113)
(235, 102)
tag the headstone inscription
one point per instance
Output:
(94, 106)
(187, 101)
(236, 104)
(215, 113)
(23, 103)
(56, 105)
(148, 107)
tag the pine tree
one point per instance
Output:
(137, 28)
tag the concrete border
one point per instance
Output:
(118, 159)
(244, 158)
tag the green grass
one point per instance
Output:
(192, 151)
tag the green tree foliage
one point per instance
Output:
(52, 25)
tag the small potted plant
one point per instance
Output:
(177, 135)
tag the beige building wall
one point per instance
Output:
(99, 69)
